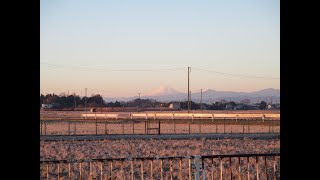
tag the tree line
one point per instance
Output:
(72, 101)
(96, 100)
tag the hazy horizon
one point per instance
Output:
(122, 48)
(148, 94)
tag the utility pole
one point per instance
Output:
(190, 100)
(85, 101)
(75, 103)
(139, 100)
(189, 70)
(201, 102)
(101, 103)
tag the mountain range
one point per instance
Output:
(167, 94)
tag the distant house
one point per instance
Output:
(239, 107)
(51, 106)
(174, 105)
(230, 106)
(46, 106)
(255, 106)
(273, 106)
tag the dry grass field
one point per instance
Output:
(180, 126)
(83, 128)
(151, 147)
(117, 148)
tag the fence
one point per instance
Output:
(241, 166)
(128, 127)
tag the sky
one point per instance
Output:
(122, 48)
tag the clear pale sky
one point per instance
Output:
(123, 47)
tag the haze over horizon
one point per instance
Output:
(167, 94)
(160, 91)
(122, 48)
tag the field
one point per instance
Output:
(145, 148)
(69, 123)
(91, 127)
(152, 147)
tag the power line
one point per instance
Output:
(63, 67)
(56, 66)
(235, 75)
(149, 70)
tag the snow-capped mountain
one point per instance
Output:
(164, 93)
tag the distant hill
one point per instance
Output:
(169, 94)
